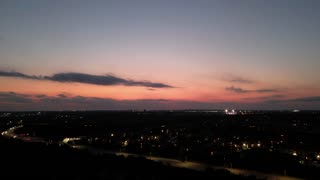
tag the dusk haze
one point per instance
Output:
(198, 54)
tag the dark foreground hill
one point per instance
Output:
(54, 162)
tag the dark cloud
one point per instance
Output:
(306, 99)
(62, 95)
(150, 89)
(237, 90)
(40, 102)
(264, 98)
(41, 96)
(102, 80)
(237, 79)
(241, 80)
(18, 75)
(240, 90)
(19, 102)
(106, 80)
(303, 103)
(11, 97)
(265, 90)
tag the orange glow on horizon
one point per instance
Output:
(214, 92)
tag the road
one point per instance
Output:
(189, 164)
(10, 133)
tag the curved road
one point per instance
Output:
(10, 133)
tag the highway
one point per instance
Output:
(10, 133)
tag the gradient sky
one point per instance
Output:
(165, 54)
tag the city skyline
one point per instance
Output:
(118, 55)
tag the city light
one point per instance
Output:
(125, 143)
(183, 141)
(67, 140)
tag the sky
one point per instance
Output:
(159, 54)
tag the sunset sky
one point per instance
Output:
(164, 54)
